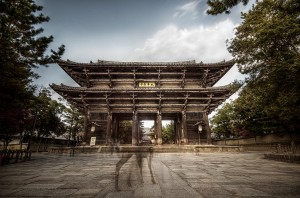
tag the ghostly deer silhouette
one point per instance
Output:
(140, 156)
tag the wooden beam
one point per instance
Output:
(134, 78)
(184, 138)
(159, 127)
(204, 78)
(135, 123)
(107, 101)
(149, 98)
(86, 77)
(133, 102)
(186, 102)
(159, 78)
(209, 102)
(109, 78)
(151, 105)
(183, 78)
(108, 128)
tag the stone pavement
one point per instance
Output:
(150, 175)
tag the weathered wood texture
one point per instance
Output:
(173, 89)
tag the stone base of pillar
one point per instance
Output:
(184, 140)
(134, 142)
(159, 141)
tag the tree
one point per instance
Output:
(45, 117)
(48, 114)
(74, 122)
(22, 49)
(125, 129)
(222, 122)
(221, 6)
(152, 133)
(266, 48)
(168, 133)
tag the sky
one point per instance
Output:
(137, 30)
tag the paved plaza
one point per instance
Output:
(150, 175)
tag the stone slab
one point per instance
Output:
(208, 175)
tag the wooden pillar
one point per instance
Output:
(85, 127)
(178, 130)
(117, 131)
(114, 130)
(184, 138)
(207, 128)
(159, 128)
(135, 123)
(108, 128)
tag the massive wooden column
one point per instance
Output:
(135, 123)
(159, 128)
(85, 127)
(207, 128)
(108, 128)
(178, 130)
(115, 130)
(184, 138)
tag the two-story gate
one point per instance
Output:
(112, 91)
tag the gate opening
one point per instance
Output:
(168, 132)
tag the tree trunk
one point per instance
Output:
(38, 148)
(45, 144)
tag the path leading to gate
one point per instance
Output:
(150, 175)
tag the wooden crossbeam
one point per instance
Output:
(151, 105)
(149, 98)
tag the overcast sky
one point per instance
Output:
(136, 30)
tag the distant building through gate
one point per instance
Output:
(111, 92)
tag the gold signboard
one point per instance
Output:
(146, 84)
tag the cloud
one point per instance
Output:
(188, 9)
(200, 43)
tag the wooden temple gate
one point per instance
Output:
(112, 91)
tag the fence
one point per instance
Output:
(9, 156)
(268, 142)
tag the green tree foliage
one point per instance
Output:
(22, 49)
(266, 48)
(125, 130)
(168, 133)
(222, 122)
(152, 133)
(47, 115)
(221, 6)
(74, 122)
